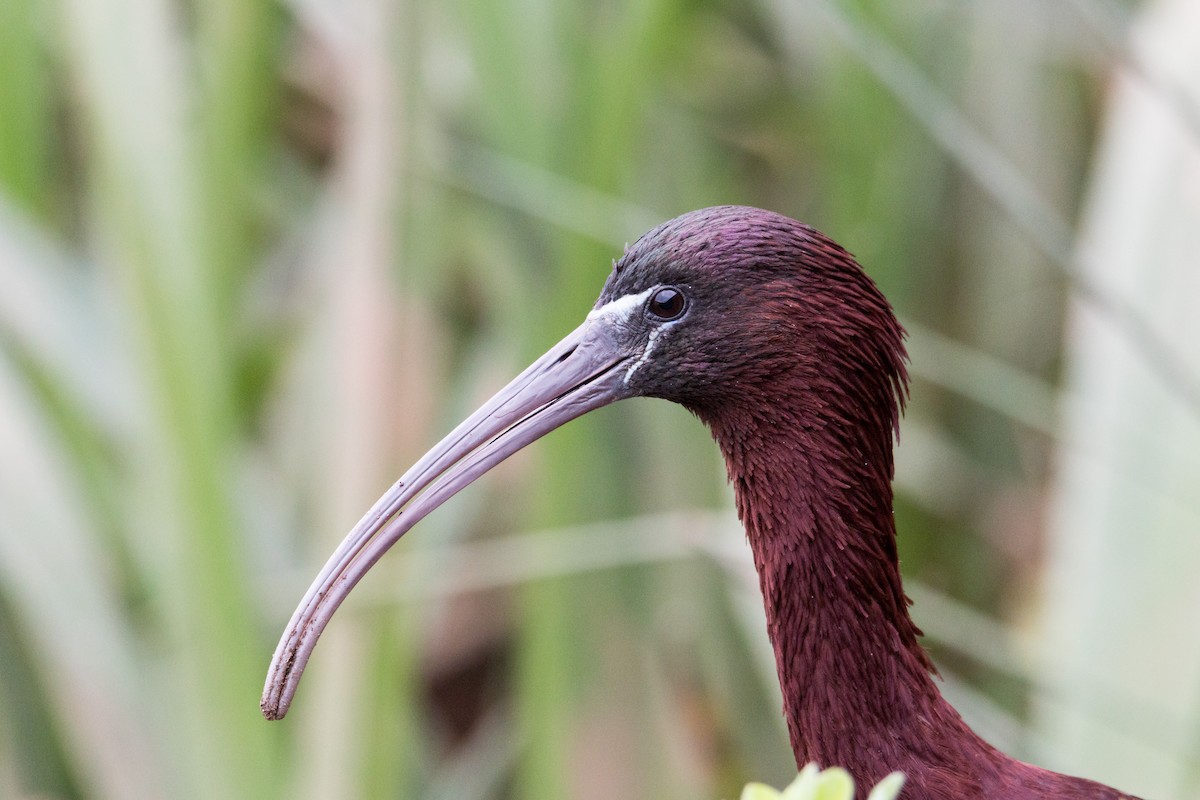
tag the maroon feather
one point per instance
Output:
(812, 386)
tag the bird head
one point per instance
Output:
(733, 307)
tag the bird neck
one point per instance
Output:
(815, 498)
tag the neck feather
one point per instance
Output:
(814, 494)
(815, 498)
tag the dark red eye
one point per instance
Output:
(667, 303)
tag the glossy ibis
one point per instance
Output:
(777, 340)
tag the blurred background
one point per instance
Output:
(255, 257)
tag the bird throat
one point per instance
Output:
(816, 505)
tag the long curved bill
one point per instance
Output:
(580, 373)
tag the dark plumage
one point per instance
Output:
(778, 341)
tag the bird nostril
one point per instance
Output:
(566, 355)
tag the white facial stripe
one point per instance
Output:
(620, 310)
(622, 307)
(645, 356)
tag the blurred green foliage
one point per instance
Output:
(256, 256)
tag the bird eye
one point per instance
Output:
(667, 303)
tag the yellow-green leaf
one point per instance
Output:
(888, 788)
(760, 791)
(805, 785)
(835, 784)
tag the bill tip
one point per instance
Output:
(272, 709)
